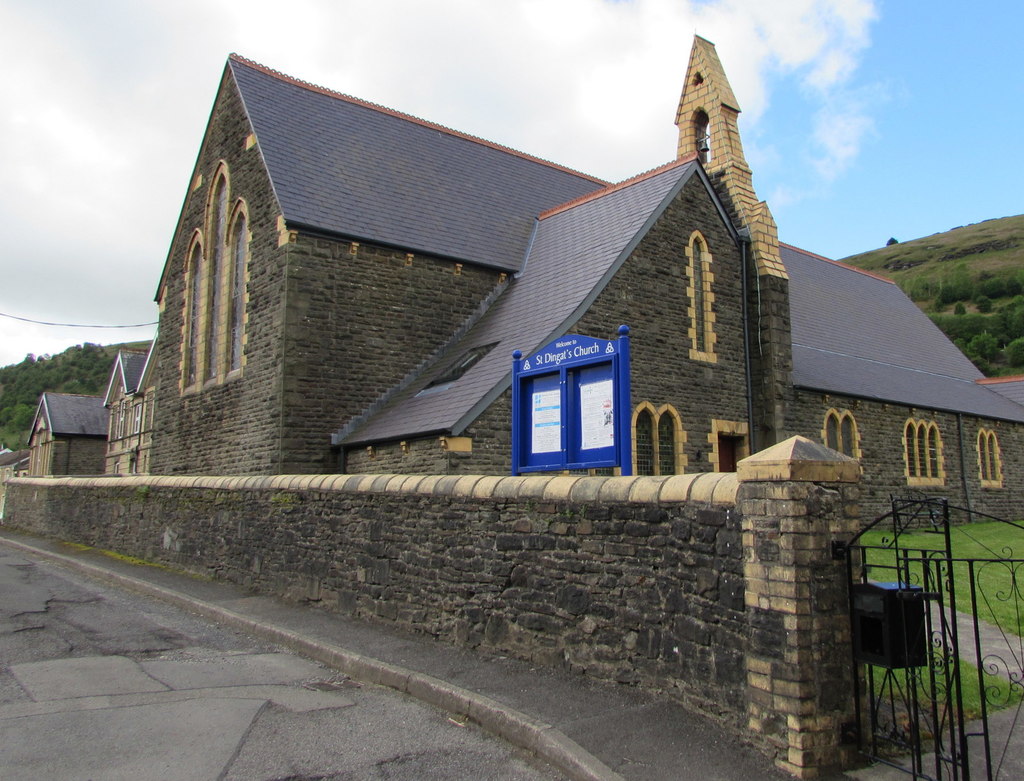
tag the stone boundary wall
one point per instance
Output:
(717, 589)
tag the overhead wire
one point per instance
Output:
(74, 325)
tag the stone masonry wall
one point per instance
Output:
(634, 580)
(718, 589)
(231, 425)
(880, 431)
(78, 455)
(359, 319)
(649, 294)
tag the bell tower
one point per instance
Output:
(708, 128)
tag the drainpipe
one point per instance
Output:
(748, 374)
(963, 465)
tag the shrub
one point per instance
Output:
(1015, 352)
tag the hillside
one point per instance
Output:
(80, 369)
(970, 280)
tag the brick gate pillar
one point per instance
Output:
(794, 499)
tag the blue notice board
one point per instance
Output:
(571, 405)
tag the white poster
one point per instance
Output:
(597, 415)
(547, 421)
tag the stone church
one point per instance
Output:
(347, 283)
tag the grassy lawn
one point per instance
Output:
(998, 593)
(999, 694)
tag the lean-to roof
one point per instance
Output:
(575, 252)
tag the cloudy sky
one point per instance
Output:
(862, 119)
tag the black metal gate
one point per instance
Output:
(937, 617)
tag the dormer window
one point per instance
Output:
(466, 362)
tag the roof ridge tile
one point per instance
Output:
(998, 380)
(611, 188)
(839, 263)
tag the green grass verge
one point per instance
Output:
(998, 692)
(998, 582)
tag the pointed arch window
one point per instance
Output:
(658, 438)
(239, 264)
(215, 286)
(701, 299)
(193, 319)
(922, 453)
(213, 338)
(839, 432)
(990, 462)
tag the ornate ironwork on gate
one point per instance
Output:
(937, 616)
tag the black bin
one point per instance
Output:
(888, 625)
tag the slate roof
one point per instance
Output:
(354, 169)
(13, 457)
(1010, 387)
(71, 414)
(127, 369)
(575, 252)
(857, 334)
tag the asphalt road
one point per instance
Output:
(98, 683)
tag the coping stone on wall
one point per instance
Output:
(703, 487)
(559, 488)
(586, 489)
(725, 491)
(446, 485)
(799, 459)
(464, 485)
(676, 488)
(615, 489)
(484, 487)
(717, 488)
(396, 485)
(645, 489)
(533, 487)
(508, 487)
(426, 485)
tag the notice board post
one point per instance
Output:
(571, 405)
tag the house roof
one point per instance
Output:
(126, 373)
(857, 334)
(575, 251)
(13, 457)
(1010, 387)
(351, 168)
(71, 414)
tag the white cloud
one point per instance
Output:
(105, 105)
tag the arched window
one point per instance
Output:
(702, 136)
(213, 336)
(218, 231)
(922, 453)
(657, 440)
(840, 432)
(643, 446)
(701, 331)
(666, 444)
(193, 310)
(990, 463)
(239, 254)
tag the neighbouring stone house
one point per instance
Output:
(68, 435)
(129, 398)
(346, 285)
(13, 463)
